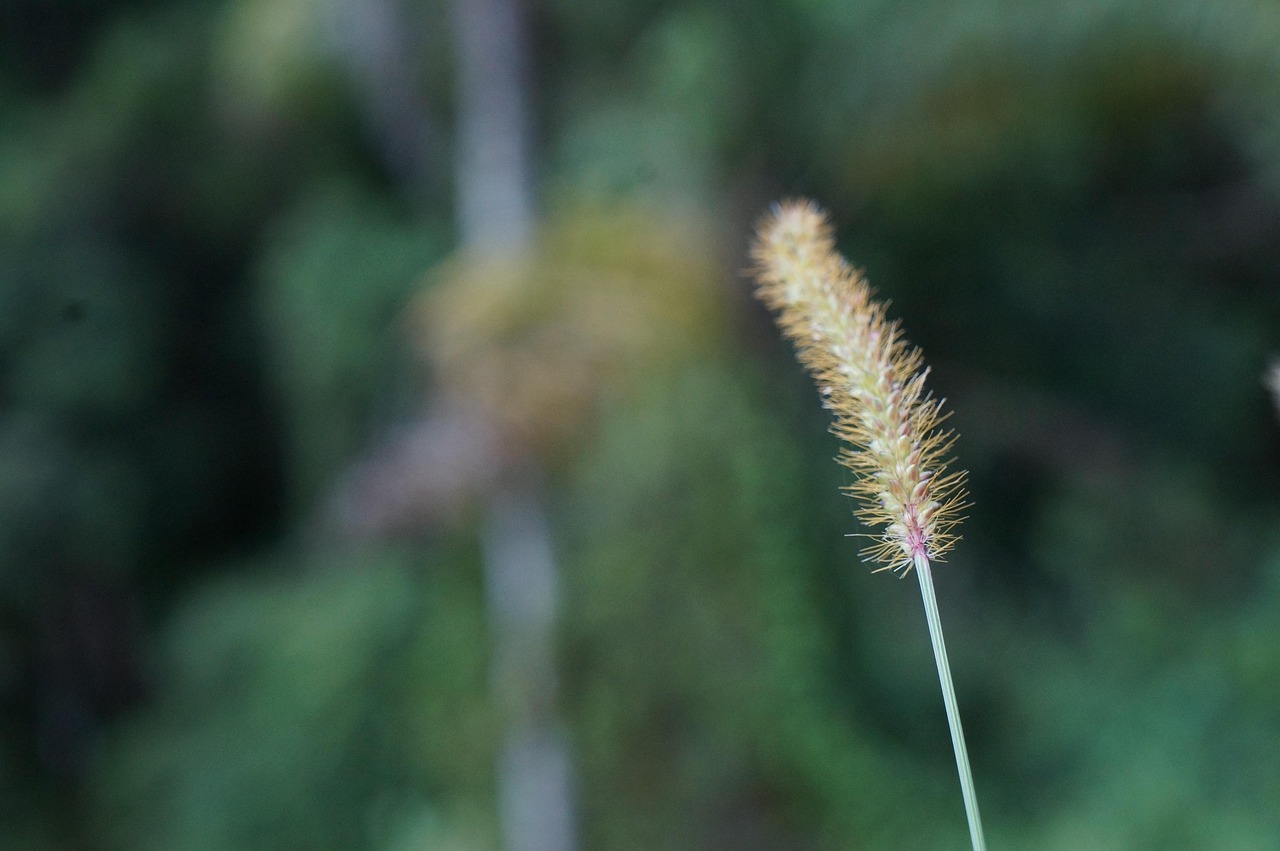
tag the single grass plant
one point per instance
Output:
(892, 430)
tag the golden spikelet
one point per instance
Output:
(872, 381)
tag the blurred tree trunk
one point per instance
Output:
(534, 772)
(494, 186)
(495, 214)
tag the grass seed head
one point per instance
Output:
(871, 380)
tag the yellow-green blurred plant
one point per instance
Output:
(602, 297)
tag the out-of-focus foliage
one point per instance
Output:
(271, 62)
(262, 694)
(213, 279)
(334, 282)
(739, 740)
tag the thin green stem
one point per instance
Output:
(949, 698)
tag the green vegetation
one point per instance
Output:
(232, 301)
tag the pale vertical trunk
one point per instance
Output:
(534, 772)
(494, 197)
(495, 214)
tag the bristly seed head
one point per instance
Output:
(871, 380)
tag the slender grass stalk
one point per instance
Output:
(873, 383)
(949, 699)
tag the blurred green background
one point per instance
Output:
(275, 415)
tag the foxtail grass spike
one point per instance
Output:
(871, 380)
(894, 441)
